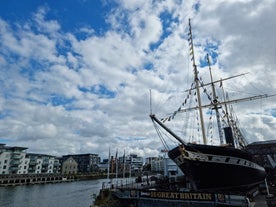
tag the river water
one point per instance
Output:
(70, 194)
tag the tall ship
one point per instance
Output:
(225, 165)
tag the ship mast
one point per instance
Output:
(215, 102)
(197, 83)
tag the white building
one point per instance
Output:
(156, 163)
(12, 160)
(166, 166)
(171, 170)
(15, 160)
(41, 163)
(131, 163)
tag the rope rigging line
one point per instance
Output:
(160, 134)
(169, 118)
(210, 127)
(184, 103)
(205, 90)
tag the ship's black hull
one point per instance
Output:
(214, 167)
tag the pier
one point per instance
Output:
(28, 179)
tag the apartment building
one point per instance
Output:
(134, 162)
(42, 163)
(165, 166)
(171, 170)
(15, 160)
(156, 163)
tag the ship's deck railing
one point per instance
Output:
(151, 196)
(127, 184)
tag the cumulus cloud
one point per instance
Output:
(63, 94)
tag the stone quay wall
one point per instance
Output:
(27, 179)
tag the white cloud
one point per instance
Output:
(42, 64)
(50, 27)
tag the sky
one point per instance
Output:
(76, 75)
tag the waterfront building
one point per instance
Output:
(87, 163)
(69, 166)
(103, 166)
(264, 153)
(130, 163)
(164, 166)
(57, 165)
(150, 159)
(13, 160)
(171, 170)
(41, 163)
(156, 163)
(122, 167)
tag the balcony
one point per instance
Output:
(15, 162)
(33, 162)
(13, 168)
(44, 163)
(56, 163)
(16, 156)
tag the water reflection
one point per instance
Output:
(75, 194)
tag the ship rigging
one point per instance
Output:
(224, 166)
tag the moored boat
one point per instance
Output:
(226, 166)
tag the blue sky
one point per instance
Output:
(75, 75)
(71, 14)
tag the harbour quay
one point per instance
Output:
(29, 179)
